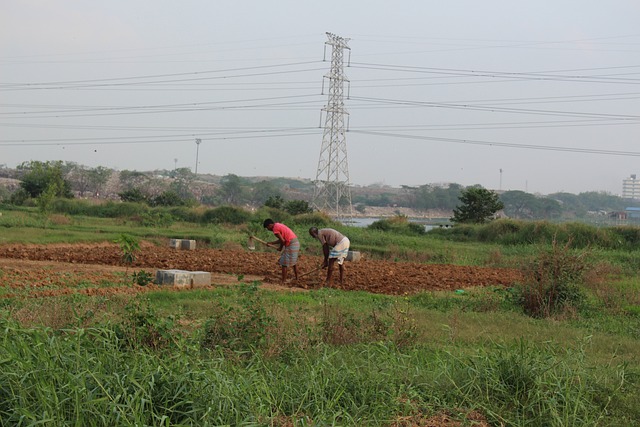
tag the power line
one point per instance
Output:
(493, 109)
(315, 131)
(503, 144)
(150, 78)
(450, 72)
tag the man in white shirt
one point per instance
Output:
(335, 246)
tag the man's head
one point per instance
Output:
(268, 224)
(313, 231)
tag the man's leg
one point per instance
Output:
(341, 267)
(295, 271)
(284, 273)
(330, 270)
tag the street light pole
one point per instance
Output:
(198, 141)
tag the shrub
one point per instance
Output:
(19, 197)
(628, 237)
(275, 214)
(155, 218)
(398, 224)
(381, 224)
(552, 282)
(186, 214)
(134, 195)
(167, 198)
(226, 215)
(238, 329)
(583, 235)
(121, 210)
(501, 230)
(143, 327)
(71, 206)
(297, 207)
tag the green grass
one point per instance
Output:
(513, 369)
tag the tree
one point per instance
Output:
(263, 191)
(133, 179)
(276, 202)
(297, 207)
(478, 206)
(231, 190)
(41, 177)
(97, 178)
(183, 179)
(134, 195)
(519, 204)
(168, 198)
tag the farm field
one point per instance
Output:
(44, 270)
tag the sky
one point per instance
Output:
(541, 96)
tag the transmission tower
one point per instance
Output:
(331, 193)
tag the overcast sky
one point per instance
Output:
(537, 96)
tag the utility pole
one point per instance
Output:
(175, 164)
(500, 179)
(331, 193)
(198, 141)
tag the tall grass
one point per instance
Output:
(87, 377)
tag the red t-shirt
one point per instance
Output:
(285, 232)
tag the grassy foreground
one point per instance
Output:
(242, 355)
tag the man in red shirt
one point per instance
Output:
(287, 243)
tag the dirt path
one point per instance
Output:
(88, 268)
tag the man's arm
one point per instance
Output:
(325, 251)
(279, 242)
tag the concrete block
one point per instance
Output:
(200, 279)
(183, 278)
(353, 256)
(189, 245)
(185, 244)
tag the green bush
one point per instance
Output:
(226, 215)
(458, 233)
(583, 235)
(238, 329)
(142, 327)
(501, 230)
(628, 237)
(120, 209)
(155, 218)
(74, 207)
(399, 224)
(182, 213)
(19, 197)
(275, 214)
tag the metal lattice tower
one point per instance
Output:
(331, 193)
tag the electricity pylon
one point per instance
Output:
(331, 192)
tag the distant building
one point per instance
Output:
(631, 188)
(633, 213)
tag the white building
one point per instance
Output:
(631, 188)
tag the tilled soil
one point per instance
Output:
(46, 270)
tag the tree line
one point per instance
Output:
(43, 181)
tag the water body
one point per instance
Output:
(366, 221)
